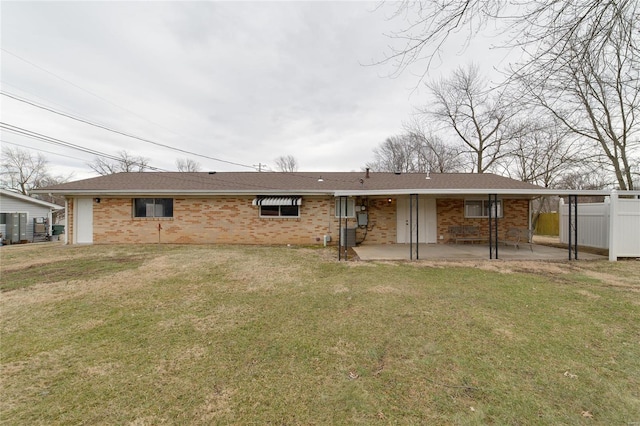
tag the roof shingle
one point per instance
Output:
(273, 182)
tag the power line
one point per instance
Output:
(84, 90)
(258, 167)
(15, 97)
(42, 150)
(59, 142)
(100, 126)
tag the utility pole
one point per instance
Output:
(259, 166)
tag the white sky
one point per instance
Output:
(244, 82)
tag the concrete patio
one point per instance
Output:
(468, 252)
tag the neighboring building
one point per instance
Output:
(24, 218)
(288, 208)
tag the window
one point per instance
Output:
(279, 211)
(153, 207)
(480, 208)
(348, 207)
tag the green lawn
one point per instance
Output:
(273, 335)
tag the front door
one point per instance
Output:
(426, 221)
(83, 219)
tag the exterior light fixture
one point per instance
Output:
(389, 200)
(320, 179)
(97, 200)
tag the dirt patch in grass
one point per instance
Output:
(629, 283)
(216, 404)
(385, 289)
(66, 270)
(501, 266)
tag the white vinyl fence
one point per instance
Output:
(613, 225)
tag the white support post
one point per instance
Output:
(613, 216)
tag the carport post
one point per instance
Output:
(573, 226)
(340, 242)
(417, 229)
(493, 225)
(411, 227)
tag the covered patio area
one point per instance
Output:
(465, 252)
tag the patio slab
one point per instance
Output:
(467, 251)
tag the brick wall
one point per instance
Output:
(451, 213)
(234, 220)
(382, 222)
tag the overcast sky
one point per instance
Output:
(243, 82)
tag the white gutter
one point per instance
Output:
(134, 192)
(485, 191)
(343, 193)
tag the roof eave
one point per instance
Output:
(136, 192)
(32, 200)
(514, 192)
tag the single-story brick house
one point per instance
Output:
(303, 208)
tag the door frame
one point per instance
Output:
(83, 221)
(427, 220)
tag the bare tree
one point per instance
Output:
(395, 154)
(187, 165)
(587, 177)
(23, 171)
(433, 152)
(125, 163)
(534, 26)
(542, 152)
(580, 62)
(476, 114)
(286, 163)
(595, 92)
(415, 151)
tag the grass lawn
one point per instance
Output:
(147, 335)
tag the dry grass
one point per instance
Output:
(242, 335)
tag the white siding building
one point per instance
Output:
(19, 215)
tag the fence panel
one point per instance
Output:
(593, 224)
(548, 224)
(627, 228)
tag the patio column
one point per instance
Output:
(417, 235)
(493, 226)
(342, 203)
(573, 226)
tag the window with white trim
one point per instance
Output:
(480, 209)
(153, 207)
(348, 207)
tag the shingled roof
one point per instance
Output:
(302, 183)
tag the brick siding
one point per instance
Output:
(234, 220)
(451, 213)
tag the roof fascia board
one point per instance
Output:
(31, 199)
(91, 192)
(336, 193)
(528, 192)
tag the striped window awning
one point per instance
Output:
(277, 201)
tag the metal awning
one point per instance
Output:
(277, 201)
